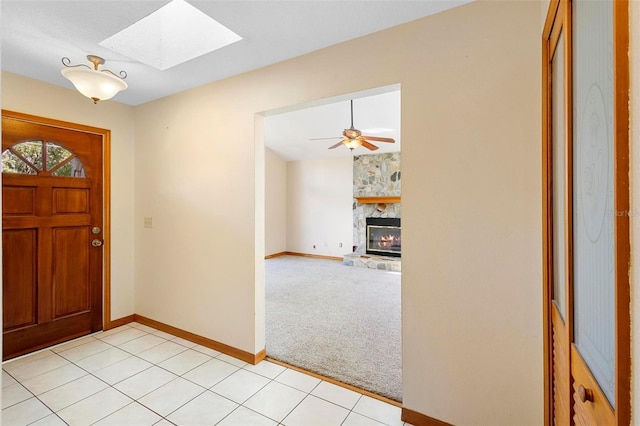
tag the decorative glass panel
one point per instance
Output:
(56, 155)
(558, 170)
(60, 161)
(31, 151)
(593, 243)
(71, 168)
(11, 163)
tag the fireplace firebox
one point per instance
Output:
(383, 236)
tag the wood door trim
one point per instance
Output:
(546, 226)
(557, 22)
(622, 210)
(106, 195)
(106, 235)
(549, 20)
(621, 202)
(561, 354)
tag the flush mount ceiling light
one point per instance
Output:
(96, 84)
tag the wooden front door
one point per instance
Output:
(586, 212)
(51, 234)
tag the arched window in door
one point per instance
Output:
(41, 158)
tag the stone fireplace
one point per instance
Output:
(376, 192)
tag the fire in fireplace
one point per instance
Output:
(383, 236)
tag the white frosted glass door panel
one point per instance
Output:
(593, 230)
(558, 172)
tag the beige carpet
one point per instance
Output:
(340, 321)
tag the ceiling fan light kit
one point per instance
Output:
(352, 143)
(98, 85)
(353, 138)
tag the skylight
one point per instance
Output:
(172, 35)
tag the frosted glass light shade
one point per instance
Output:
(353, 143)
(94, 84)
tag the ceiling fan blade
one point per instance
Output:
(369, 146)
(322, 139)
(336, 145)
(375, 138)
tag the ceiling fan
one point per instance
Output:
(354, 138)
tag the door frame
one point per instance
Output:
(558, 21)
(106, 197)
(621, 206)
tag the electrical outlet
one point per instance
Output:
(340, 245)
(148, 222)
(314, 246)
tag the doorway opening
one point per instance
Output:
(323, 313)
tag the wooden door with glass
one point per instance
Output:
(586, 213)
(52, 204)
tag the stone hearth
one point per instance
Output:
(371, 261)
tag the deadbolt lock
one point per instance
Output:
(96, 230)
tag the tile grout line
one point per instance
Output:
(307, 394)
(83, 369)
(133, 400)
(98, 378)
(32, 396)
(157, 365)
(204, 389)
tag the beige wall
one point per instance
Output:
(275, 240)
(34, 97)
(320, 206)
(471, 203)
(308, 203)
(471, 212)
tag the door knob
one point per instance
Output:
(585, 394)
(96, 243)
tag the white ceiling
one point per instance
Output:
(36, 34)
(375, 113)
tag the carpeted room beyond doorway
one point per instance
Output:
(340, 321)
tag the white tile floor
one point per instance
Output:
(136, 375)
